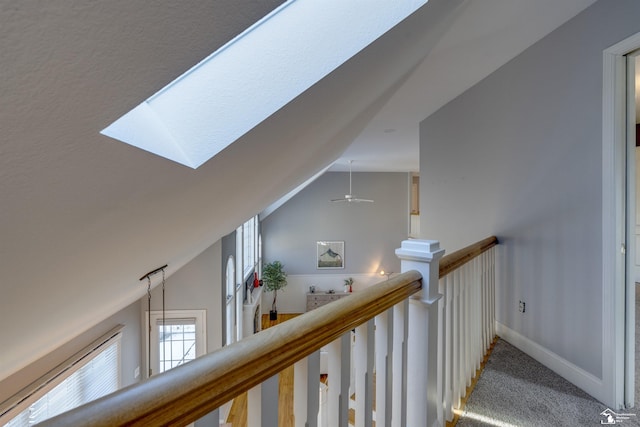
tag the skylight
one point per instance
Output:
(235, 88)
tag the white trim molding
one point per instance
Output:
(572, 373)
(613, 219)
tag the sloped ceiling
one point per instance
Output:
(82, 217)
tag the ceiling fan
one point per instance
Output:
(350, 198)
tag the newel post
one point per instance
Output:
(422, 344)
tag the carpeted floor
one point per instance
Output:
(516, 390)
(637, 384)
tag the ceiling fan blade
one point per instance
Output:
(350, 197)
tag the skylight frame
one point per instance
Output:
(234, 89)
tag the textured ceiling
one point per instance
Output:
(82, 216)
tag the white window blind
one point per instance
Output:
(90, 374)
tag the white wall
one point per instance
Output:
(293, 299)
(519, 156)
(371, 232)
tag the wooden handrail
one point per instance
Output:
(456, 259)
(188, 392)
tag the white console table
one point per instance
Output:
(318, 299)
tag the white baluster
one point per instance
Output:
(369, 374)
(475, 323)
(345, 379)
(467, 327)
(360, 366)
(389, 371)
(448, 348)
(399, 363)
(254, 406)
(442, 364)
(334, 379)
(464, 314)
(459, 339)
(485, 307)
(493, 291)
(215, 415)
(269, 402)
(381, 336)
(300, 392)
(422, 351)
(485, 302)
(313, 388)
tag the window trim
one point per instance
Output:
(230, 286)
(38, 388)
(200, 317)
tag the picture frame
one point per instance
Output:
(329, 254)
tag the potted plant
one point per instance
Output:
(348, 284)
(274, 278)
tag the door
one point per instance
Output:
(177, 337)
(632, 226)
(633, 118)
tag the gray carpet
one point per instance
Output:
(516, 390)
(637, 384)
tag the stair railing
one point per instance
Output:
(417, 335)
(467, 313)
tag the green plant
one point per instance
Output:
(348, 283)
(274, 278)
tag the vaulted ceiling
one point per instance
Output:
(82, 216)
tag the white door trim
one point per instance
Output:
(630, 290)
(613, 218)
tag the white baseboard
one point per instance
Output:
(572, 373)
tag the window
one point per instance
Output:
(248, 247)
(90, 374)
(177, 343)
(239, 309)
(180, 338)
(230, 308)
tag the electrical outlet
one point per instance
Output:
(136, 373)
(522, 306)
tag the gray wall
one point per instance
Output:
(371, 231)
(196, 286)
(519, 155)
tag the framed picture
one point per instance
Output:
(329, 254)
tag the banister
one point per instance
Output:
(188, 392)
(454, 260)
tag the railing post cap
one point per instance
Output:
(420, 250)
